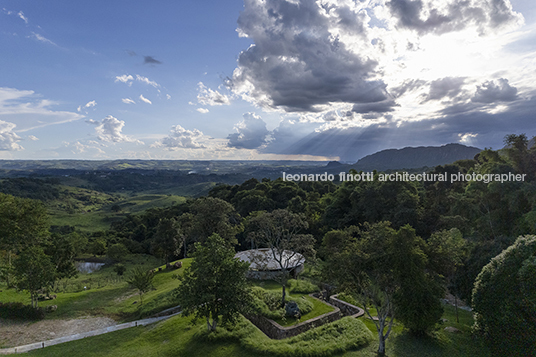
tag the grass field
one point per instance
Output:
(108, 295)
(92, 211)
(178, 337)
(103, 293)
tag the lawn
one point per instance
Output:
(107, 294)
(178, 337)
(319, 307)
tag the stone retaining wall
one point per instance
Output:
(347, 309)
(275, 331)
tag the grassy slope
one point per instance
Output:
(90, 210)
(177, 337)
(114, 298)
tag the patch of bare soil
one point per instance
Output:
(451, 300)
(17, 333)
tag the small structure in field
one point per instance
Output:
(268, 264)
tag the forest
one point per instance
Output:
(395, 248)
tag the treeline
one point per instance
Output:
(432, 235)
(489, 216)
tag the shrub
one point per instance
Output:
(120, 268)
(302, 287)
(304, 305)
(267, 303)
(17, 310)
(117, 252)
(327, 340)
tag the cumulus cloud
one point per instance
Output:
(298, 61)
(495, 91)
(8, 138)
(143, 99)
(202, 110)
(207, 96)
(180, 138)
(432, 16)
(128, 101)
(146, 81)
(250, 133)
(110, 130)
(150, 60)
(79, 147)
(22, 17)
(445, 87)
(125, 78)
(467, 138)
(87, 105)
(33, 138)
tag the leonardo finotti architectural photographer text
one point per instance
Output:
(406, 176)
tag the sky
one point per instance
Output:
(262, 79)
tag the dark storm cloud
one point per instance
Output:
(378, 107)
(350, 144)
(495, 91)
(408, 86)
(250, 133)
(430, 16)
(445, 87)
(150, 60)
(296, 64)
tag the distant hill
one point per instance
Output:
(416, 157)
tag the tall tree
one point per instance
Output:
(522, 157)
(167, 240)
(23, 223)
(62, 250)
(214, 284)
(280, 232)
(377, 265)
(361, 264)
(210, 215)
(504, 299)
(33, 271)
(417, 299)
(447, 251)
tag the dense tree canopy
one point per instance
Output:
(33, 271)
(504, 299)
(215, 283)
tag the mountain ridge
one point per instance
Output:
(415, 157)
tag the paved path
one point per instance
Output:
(79, 336)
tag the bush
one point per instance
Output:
(120, 268)
(304, 305)
(327, 340)
(302, 287)
(260, 307)
(117, 252)
(17, 310)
